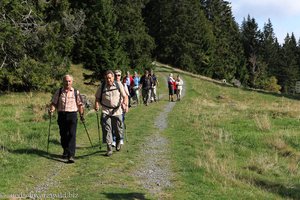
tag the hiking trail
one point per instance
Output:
(155, 173)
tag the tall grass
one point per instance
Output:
(235, 144)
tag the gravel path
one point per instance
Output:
(51, 181)
(155, 173)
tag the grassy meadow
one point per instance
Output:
(224, 143)
(231, 143)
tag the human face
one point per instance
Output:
(118, 77)
(67, 82)
(109, 79)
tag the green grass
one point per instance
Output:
(234, 144)
(225, 143)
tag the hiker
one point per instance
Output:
(128, 80)
(171, 82)
(145, 84)
(118, 79)
(153, 86)
(67, 102)
(136, 82)
(112, 97)
(179, 84)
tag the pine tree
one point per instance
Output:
(269, 48)
(99, 44)
(251, 39)
(183, 35)
(289, 68)
(134, 36)
(228, 56)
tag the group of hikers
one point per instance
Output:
(175, 87)
(115, 96)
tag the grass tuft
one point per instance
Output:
(262, 122)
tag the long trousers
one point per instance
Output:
(111, 124)
(67, 122)
(146, 93)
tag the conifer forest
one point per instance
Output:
(40, 39)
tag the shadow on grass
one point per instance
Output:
(125, 196)
(54, 141)
(38, 152)
(280, 189)
(89, 154)
(50, 156)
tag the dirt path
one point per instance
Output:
(155, 173)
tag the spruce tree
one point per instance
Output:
(289, 68)
(99, 44)
(228, 56)
(134, 36)
(251, 39)
(270, 52)
(183, 34)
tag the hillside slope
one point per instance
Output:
(223, 143)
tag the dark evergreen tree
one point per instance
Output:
(289, 68)
(228, 58)
(99, 45)
(134, 36)
(183, 34)
(269, 48)
(251, 39)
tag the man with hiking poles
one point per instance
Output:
(67, 102)
(113, 100)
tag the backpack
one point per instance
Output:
(146, 81)
(102, 91)
(154, 80)
(85, 101)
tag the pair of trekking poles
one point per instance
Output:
(83, 122)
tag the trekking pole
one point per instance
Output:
(98, 129)
(49, 133)
(87, 132)
(125, 132)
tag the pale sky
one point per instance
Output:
(284, 15)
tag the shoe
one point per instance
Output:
(113, 144)
(118, 147)
(71, 159)
(65, 154)
(109, 150)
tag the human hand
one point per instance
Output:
(50, 112)
(82, 118)
(96, 108)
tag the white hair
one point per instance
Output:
(67, 75)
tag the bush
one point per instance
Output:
(271, 85)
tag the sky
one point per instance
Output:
(284, 15)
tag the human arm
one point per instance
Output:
(53, 103)
(97, 99)
(124, 94)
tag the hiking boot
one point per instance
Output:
(118, 147)
(71, 159)
(65, 154)
(109, 150)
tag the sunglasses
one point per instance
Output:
(117, 74)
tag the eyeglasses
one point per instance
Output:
(117, 74)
